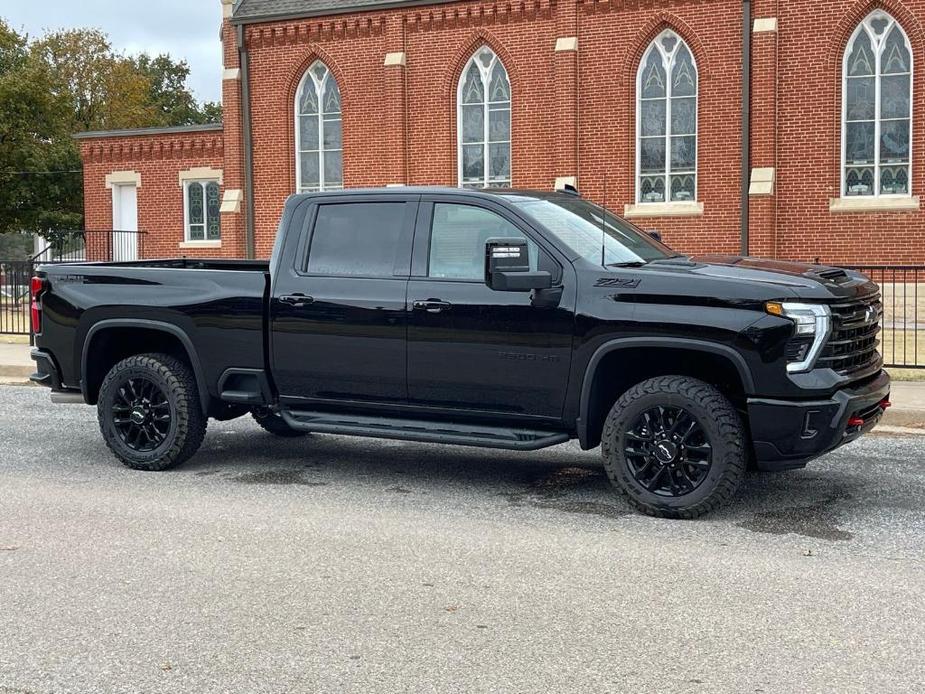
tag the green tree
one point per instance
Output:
(67, 82)
(34, 140)
(169, 93)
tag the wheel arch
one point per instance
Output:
(167, 338)
(619, 364)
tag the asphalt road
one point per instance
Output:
(345, 565)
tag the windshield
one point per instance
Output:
(582, 226)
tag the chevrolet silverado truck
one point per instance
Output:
(504, 319)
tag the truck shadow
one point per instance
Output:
(564, 478)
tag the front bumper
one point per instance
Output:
(787, 434)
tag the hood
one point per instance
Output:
(802, 280)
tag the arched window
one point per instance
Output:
(319, 151)
(484, 122)
(876, 110)
(666, 122)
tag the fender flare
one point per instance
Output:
(748, 382)
(173, 330)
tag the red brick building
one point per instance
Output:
(640, 103)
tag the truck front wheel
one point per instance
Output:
(149, 412)
(675, 446)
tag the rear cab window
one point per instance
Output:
(360, 239)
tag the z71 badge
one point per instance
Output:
(617, 282)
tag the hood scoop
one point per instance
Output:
(835, 275)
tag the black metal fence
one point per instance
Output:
(14, 296)
(74, 246)
(902, 340)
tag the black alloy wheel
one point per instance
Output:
(150, 413)
(667, 451)
(675, 446)
(141, 414)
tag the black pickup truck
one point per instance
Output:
(504, 319)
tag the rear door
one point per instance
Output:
(337, 313)
(474, 349)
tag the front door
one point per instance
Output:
(124, 223)
(472, 348)
(338, 319)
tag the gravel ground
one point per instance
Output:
(330, 564)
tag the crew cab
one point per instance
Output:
(506, 319)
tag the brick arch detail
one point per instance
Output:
(654, 27)
(474, 42)
(855, 14)
(313, 54)
(631, 58)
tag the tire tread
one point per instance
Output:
(191, 421)
(732, 433)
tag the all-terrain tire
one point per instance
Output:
(176, 389)
(276, 425)
(720, 423)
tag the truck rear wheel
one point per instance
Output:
(271, 421)
(149, 412)
(675, 446)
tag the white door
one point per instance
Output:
(124, 223)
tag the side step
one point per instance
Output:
(427, 431)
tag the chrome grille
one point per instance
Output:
(852, 346)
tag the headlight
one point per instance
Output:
(812, 325)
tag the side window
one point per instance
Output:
(202, 206)
(457, 241)
(356, 239)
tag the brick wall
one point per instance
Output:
(573, 115)
(158, 161)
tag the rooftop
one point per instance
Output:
(252, 11)
(148, 131)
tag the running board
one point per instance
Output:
(427, 431)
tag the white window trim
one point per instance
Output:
(878, 120)
(669, 65)
(319, 93)
(205, 211)
(486, 81)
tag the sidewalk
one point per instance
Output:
(907, 412)
(15, 364)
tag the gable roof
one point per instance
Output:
(253, 11)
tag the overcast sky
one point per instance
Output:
(187, 29)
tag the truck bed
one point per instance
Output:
(216, 307)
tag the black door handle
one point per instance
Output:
(432, 305)
(296, 300)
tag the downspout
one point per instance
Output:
(746, 119)
(244, 61)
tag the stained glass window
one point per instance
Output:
(203, 206)
(319, 143)
(484, 122)
(877, 109)
(667, 122)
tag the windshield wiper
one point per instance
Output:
(631, 263)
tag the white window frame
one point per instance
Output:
(319, 95)
(205, 211)
(486, 106)
(668, 65)
(878, 120)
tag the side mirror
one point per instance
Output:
(655, 234)
(507, 267)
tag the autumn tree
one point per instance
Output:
(67, 82)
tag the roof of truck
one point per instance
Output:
(445, 190)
